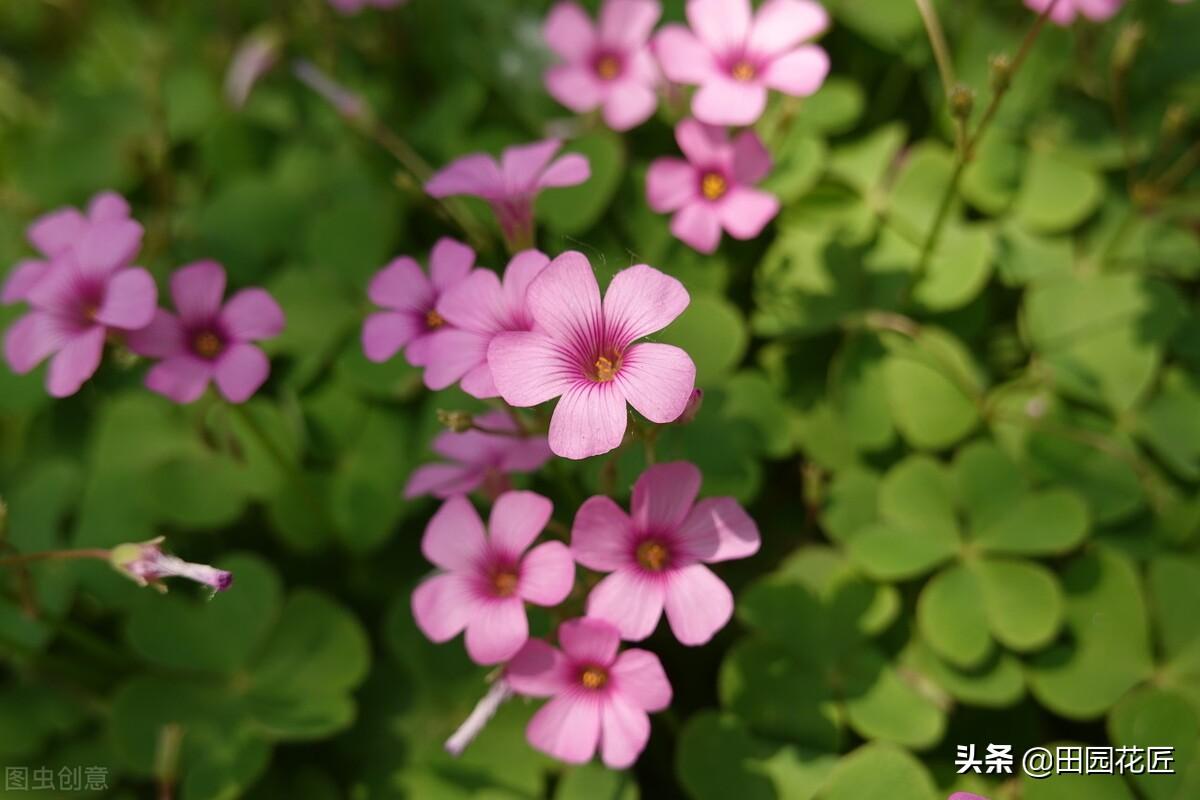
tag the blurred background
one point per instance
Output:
(978, 499)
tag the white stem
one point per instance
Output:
(484, 710)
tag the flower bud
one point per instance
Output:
(255, 56)
(457, 421)
(1001, 72)
(692, 408)
(146, 564)
(1129, 41)
(962, 101)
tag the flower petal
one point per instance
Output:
(724, 101)
(449, 262)
(197, 290)
(478, 382)
(252, 314)
(567, 728)
(547, 574)
(800, 72)
(751, 161)
(241, 371)
(520, 273)
(706, 146)
(31, 339)
(476, 174)
(476, 303)
(522, 165)
(443, 480)
(574, 86)
(719, 529)
(106, 246)
(75, 362)
(630, 601)
(589, 419)
(525, 455)
(657, 380)
(182, 378)
(528, 368)
(24, 276)
(683, 57)
(664, 494)
(698, 604)
(568, 170)
(537, 670)
(163, 337)
(625, 24)
(641, 300)
(129, 300)
(745, 211)
(782, 24)
(55, 232)
(385, 332)
(625, 730)
(454, 538)
(452, 354)
(568, 31)
(402, 286)
(442, 606)
(516, 520)
(721, 24)
(629, 104)
(589, 641)
(639, 677)
(497, 630)
(107, 206)
(602, 535)
(565, 299)
(670, 183)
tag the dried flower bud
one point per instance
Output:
(254, 57)
(962, 101)
(457, 421)
(147, 565)
(1129, 41)
(1001, 72)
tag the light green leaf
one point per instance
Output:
(879, 770)
(1043, 523)
(951, 617)
(1057, 194)
(1022, 601)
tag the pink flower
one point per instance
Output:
(85, 291)
(714, 188)
(254, 57)
(609, 65)
(481, 459)
(599, 698)
(1065, 11)
(147, 564)
(656, 557)
(489, 577)
(354, 6)
(584, 352)
(477, 308)
(734, 56)
(411, 300)
(511, 186)
(208, 341)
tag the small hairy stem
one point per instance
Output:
(945, 64)
(54, 555)
(484, 710)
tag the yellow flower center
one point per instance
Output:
(713, 186)
(607, 67)
(505, 583)
(606, 367)
(594, 678)
(206, 344)
(652, 555)
(433, 319)
(742, 71)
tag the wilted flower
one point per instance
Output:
(657, 555)
(511, 185)
(735, 56)
(147, 564)
(598, 698)
(478, 308)
(586, 353)
(714, 187)
(609, 65)
(208, 341)
(488, 577)
(83, 292)
(410, 299)
(1065, 11)
(479, 459)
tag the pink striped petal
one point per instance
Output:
(496, 630)
(129, 300)
(525, 455)
(402, 286)
(107, 206)
(443, 480)
(664, 494)
(800, 72)
(698, 226)
(625, 730)
(547, 574)
(449, 262)
(31, 339)
(568, 31)
(241, 371)
(75, 362)
(625, 24)
(751, 161)
(639, 677)
(780, 25)
(442, 606)
(575, 86)
(706, 146)
(24, 276)
(162, 338)
(182, 378)
(567, 728)
(589, 419)
(698, 604)
(452, 354)
(106, 246)
(589, 641)
(683, 57)
(57, 231)
(720, 24)
(641, 300)
(719, 529)
(670, 184)
(745, 211)
(724, 101)
(197, 290)
(657, 380)
(476, 174)
(476, 303)
(516, 520)
(628, 105)
(602, 535)
(520, 273)
(571, 169)
(528, 368)
(478, 382)
(537, 670)
(522, 165)
(454, 538)
(385, 332)
(565, 299)
(631, 602)
(252, 314)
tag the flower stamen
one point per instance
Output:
(713, 185)
(207, 344)
(652, 555)
(593, 678)
(434, 320)
(605, 367)
(743, 71)
(607, 67)
(504, 582)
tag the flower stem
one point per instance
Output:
(54, 555)
(945, 65)
(484, 710)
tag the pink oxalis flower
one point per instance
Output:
(511, 185)
(479, 459)
(586, 352)
(410, 301)
(488, 577)
(598, 697)
(606, 66)
(478, 308)
(147, 564)
(1065, 12)
(734, 56)
(657, 554)
(714, 188)
(85, 290)
(209, 341)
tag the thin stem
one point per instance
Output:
(945, 64)
(54, 555)
(1177, 172)
(166, 759)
